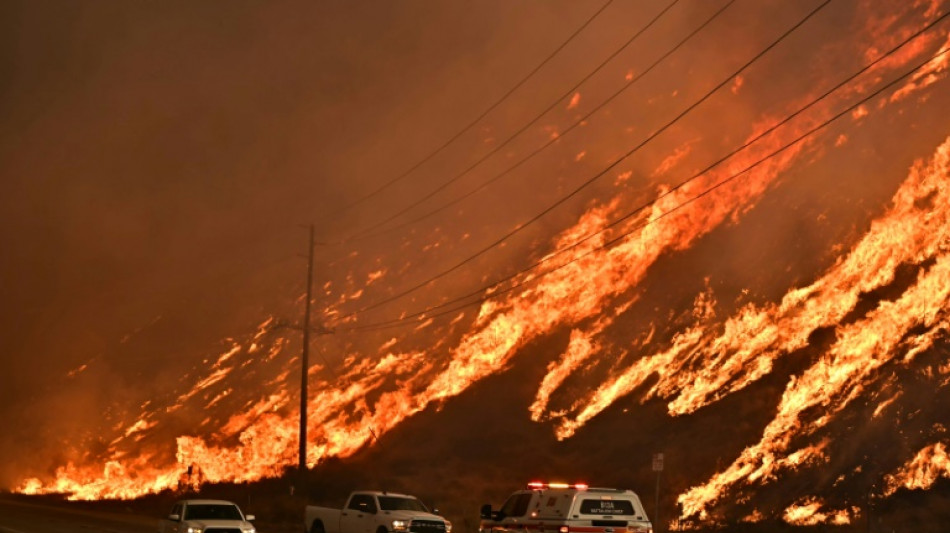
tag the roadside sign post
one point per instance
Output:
(658, 468)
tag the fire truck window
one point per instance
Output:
(607, 507)
(521, 507)
(516, 505)
(509, 506)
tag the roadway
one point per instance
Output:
(17, 516)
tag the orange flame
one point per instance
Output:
(809, 512)
(909, 232)
(921, 472)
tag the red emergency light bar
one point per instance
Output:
(540, 485)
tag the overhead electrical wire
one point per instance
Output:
(477, 119)
(413, 319)
(369, 231)
(551, 141)
(591, 180)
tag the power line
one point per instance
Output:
(575, 244)
(550, 142)
(477, 119)
(367, 231)
(591, 180)
(608, 244)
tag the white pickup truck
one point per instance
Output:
(375, 512)
(206, 516)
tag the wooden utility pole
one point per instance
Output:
(658, 468)
(305, 365)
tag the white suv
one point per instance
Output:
(206, 516)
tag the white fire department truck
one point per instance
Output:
(563, 508)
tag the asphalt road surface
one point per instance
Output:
(27, 517)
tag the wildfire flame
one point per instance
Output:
(911, 232)
(586, 287)
(921, 472)
(809, 512)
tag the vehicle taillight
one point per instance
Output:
(564, 529)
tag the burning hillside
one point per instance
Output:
(766, 277)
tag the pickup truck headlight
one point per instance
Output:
(192, 529)
(248, 530)
(400, 525)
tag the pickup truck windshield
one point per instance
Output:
(393, 503)
(212, 512)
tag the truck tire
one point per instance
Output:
(317, 527)
(381, 529)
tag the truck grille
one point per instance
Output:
(427, 526)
